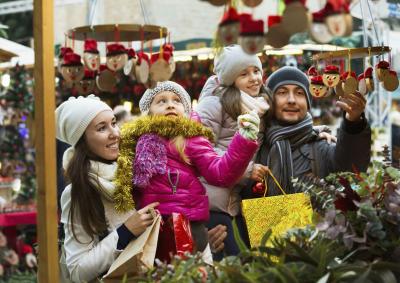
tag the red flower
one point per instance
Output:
(345, 200)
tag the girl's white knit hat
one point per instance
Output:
(233, 60)
(150, 93)
(74, 115)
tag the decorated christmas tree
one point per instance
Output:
(16, 152)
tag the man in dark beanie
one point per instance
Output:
(292, 149)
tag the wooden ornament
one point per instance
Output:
(339, 89)
(116, 62)
(382, 70)
(106, 80)
(331, 76)
(251, 3)
(295, 18)
(142, 71)
(391, 81)
(369, 80)
(218, 2)
(277, 36)
(349, 83)
(129, 68)
(362, 85)
(91, 61)
(339, 24)
(72, 74)
(252, 44)
(319, 32)
(85, 87)
(317, 87)
(160, 71)
(228, 34)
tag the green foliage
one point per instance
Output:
(360, 245)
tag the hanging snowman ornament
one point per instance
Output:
(106, 79)
(338, 20)
(159, 69)
(331, 76)
(295, 17)
(116, 57)
(276, 36)
(229, 27)
(63, 51)
(91, 56)
(362, 85)
(169, 48)
(72, 68)
(382, 70)
(129, 68)
(369, 80)
(87, 84)
(349, 82)
(142, 68)
(391, 81)
(251, 36)
(318, 29)
(317, 87)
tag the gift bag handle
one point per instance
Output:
(275, 180)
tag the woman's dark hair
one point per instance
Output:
(85, 198)
(230, 100)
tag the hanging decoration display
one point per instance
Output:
(251, 36)
(89, 75)
(348, 82)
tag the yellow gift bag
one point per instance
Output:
(278, 213)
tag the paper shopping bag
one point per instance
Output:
(278, 213)
(138, 256)
(175, 237)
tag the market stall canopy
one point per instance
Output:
(12, 53)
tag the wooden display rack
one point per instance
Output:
(353, 53)
(126, 32)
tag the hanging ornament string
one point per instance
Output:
(116, 34)
(73, 40)
(141, 39)
(373, 23)
(369, 56)
(161, 46)
(349, 64)
(65, 40)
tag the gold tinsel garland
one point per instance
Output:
(167, 127)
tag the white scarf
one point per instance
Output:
(249, 103)
(101, 173)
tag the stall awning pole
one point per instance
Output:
(43, 15)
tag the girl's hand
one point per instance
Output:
(249, 125)
(259, 172)
(141, 219)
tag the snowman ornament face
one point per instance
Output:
(85, 87)
(72, 74)
(252, 44)
(116, 62)
(318, 90)
(91, 61)
(331, 80)
(228, 34)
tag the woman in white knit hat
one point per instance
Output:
(95, 233)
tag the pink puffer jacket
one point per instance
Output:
(179, 189)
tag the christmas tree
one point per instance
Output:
(16, 153)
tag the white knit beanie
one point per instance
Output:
(150, 93)
(232, 60)
(74, 115)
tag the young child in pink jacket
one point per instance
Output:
(164, 153)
